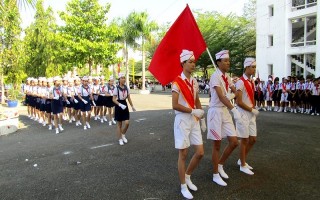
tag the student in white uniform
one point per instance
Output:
(110, 106)
(284, 96)
(219, 120)
(120, 95)
(188, 110)
(247, 130)
(95, 94)
(56, 94)
(268, 96)
(315, 98)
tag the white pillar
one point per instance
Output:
(317, 72)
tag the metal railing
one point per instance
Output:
(302, 4)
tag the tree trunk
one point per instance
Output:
(127, 63)
(90, 67)
(143, 66)
(2, 89)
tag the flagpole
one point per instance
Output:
(216, 69)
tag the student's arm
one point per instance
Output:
(240, 103)
(178, 107)
(130, 101)
(223, 98)
(198, 103)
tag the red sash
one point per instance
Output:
(186, 92)
(269, 90)
(249, 87)
(284, 87)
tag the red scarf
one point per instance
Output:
(269, 89)
(225, 79)
(249, 87)
(188, 94)
(284, 86)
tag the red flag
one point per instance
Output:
(183, 34)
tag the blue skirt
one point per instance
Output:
(85, 107)
(57, 106)
(119, 114)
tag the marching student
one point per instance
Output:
(56, 94)
(26, 90)
(120, 94)
(188, 110)
(110, 106)
(219, 120)
(85, 95)
(77, 104)
(95, 93)
(315, 98)
(48, 99)
(301, 95)
(70, 92)
(42, 96)
(268, 95)
(64, 102)
(247, 130)
(101, 103)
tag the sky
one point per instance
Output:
(162, 11)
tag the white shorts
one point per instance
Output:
(186, 131)
(249, 126)
(220, 124)
(284, 97)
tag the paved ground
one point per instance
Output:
(37, 164)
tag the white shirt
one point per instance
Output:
(181, 99)
(122, 94)
(84, 92)
(245, 97)
(315, 90)
(216, 81)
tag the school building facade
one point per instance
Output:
(287, 35)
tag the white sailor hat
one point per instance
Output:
(222, 54)
(102, 77)
(121, 75)
(50, 80)
(186, 55)
(85, 78)
(57, 78)
(65, 78)
(248, 62)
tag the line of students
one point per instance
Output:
(50, 100)
(291, 95)
(189, 119)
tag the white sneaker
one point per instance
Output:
(110, 123)
(98, 116)
(246, 170)
(50, 127)
(85, 128)
(44, 123)
(264, 109)
(185, 192)
(73, 119)
(124, 138)
(57, 131)
(121, 142)
(105, 119)
(221, 172)
(190, 184)
(280, 110)
(217, 179)
(77, 124)
(312, 114)
(95, 118)
(88, 125)
(114, 122)
(70, 121)
(102, 121)
(60, 127)
(248, 166)
(40, 121)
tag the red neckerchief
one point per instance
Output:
(249, 88)
(225, 79)
(111, 90)
(284, 86)
(185, 91)
(103, 88)
(58, 91)
(269, 89)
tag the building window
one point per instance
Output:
(271, 11)
(270, 69)
(270, 40)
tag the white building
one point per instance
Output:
(287, 35)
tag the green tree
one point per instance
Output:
(88, 38)
(226, 32)
(40, 44)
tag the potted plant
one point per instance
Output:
(12, 97)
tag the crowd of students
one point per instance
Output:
(50, 101)
(290, 95)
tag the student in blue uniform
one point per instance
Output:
(56, 94)
(85, 95)
(120, 94)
